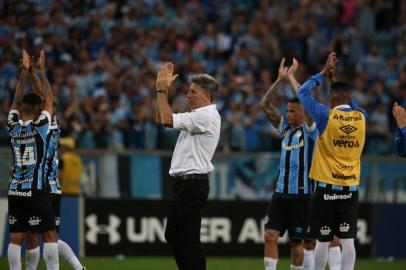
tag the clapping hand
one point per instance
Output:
(293, 68)
(330, 66)
(41, 60)
(283, 71)
(25, 61)
(165, 78)
(400, 115)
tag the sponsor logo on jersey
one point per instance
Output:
(346, 118)
(34, 221)
(344, 227)
(334, 197)
(287, 147)
(343, 177)
(325, 230)
(19, 193)
(12, 220)
(346, 144)
(344, 167)
(348, 129)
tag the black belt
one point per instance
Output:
(194, 176)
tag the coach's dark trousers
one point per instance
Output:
(183, 225)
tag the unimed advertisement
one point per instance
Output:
(229, 228)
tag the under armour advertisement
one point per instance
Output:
(136, 228)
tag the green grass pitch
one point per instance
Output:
(213, 263)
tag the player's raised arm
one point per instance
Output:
(296, 86)
(36, 83)
(271, 112)
(47, 90)
(19, 91)
(164, 81)
(291, 75)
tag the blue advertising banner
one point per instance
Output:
(389, 224)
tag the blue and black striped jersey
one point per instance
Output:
(28, 145)
(295, 161)
(52, 159)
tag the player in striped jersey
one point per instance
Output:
(290, 204)
(29, 207)
(54, 189)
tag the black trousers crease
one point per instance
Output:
(184, 221)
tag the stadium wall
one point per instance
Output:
(110, 227)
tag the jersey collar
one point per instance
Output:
(24, 123)
(342, 106)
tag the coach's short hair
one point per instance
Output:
(206, 82)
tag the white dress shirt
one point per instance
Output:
(197, 141)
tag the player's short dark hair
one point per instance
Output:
(341, 90)
(31, 100)
(206, 82)
(294, 100)
(340, 86)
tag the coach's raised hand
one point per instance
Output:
(165, 78)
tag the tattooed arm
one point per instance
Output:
(19, 91)
(47, 90)
(272, 113)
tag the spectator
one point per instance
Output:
(99, 51)
(71, 167)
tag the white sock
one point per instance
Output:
(32, 258)
(14, 256)
(270, 263)
(296, 267)
(334, 258)
(51, 256)
(308, 259)
(67, 253)
(348, 254)
(321, 255)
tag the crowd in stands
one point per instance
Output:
(103, 56)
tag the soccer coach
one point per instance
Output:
(191, 163)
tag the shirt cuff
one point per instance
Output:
(48, 115)
(175, 121)
(318, 78)
(14, 111)
(312, 127)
